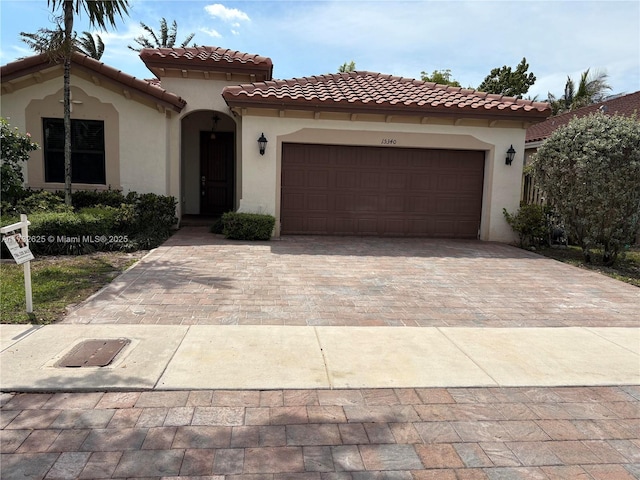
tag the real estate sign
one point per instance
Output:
(18, 248)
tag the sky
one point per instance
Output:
(312, 37)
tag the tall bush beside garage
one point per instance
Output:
(590, 171)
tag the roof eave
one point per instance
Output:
(363, 108)
(89, 65)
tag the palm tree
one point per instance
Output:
(590, 89)
(91, 46)
(51, 41)
(101, 13)
(347, 67)
(167, 38)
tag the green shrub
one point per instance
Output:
(87, 198)
(14, 151)
(42, 201)
(104, 220)
(66, 233)
(217, 226)
(149, 219)
(247, 226)
(589, 170)
(531, 225)
(109, 217)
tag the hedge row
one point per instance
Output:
(98, 221)
(245, 226)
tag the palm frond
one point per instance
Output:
(171, 39)
(91, 47)
(101, 13)
(187, 40)
(47, 41)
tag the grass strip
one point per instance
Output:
(57, 282)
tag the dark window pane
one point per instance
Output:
(54, 167)
(87, 151)
(88, 168)
(53, 133)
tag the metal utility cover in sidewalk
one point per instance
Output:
(93, 353)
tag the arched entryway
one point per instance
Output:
(208, 163)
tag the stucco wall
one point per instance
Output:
(261, 174)
(141, 159)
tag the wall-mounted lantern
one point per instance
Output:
(214, 123)
(262, 143)
(510, 154)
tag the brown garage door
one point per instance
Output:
(342, 190)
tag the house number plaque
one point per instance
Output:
(389, 141)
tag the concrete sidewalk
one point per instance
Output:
(281, 357)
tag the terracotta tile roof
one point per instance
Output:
(369, 92)
(207, 59)
(625, 105)
(144, 88)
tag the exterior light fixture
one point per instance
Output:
(510, 154)
(262, 143)
(214, 123)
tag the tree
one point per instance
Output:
(15, 151)
(91, 46)
(504, 81)
(347, 67)
(167, 38)
(101, 13)
(590, 172)
(442, 77)
(591, 89)
(51, 41)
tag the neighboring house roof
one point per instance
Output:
(369, 92)
(32, 65)
(212, 59)
(625, 105)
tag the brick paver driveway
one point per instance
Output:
(200, 278)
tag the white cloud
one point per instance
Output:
(211, 32)
(217, 10)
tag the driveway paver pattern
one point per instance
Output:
(197, 278)
(413, 434)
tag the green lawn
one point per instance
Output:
(57, 282)
(626, 269)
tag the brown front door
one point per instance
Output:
(216, 173)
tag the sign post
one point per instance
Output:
(18, 245)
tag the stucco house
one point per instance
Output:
(356, 153)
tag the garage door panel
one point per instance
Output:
(317, 203)
(397, 181)
(346, 179)
(370, 180)
(293, 178)
(423, 183)
(467, 228)
(291, 201)
(367, 226)
(344, 226)
(393, 204)
(366, 203)
(447, 183)
(317, 225)
(343, 190)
